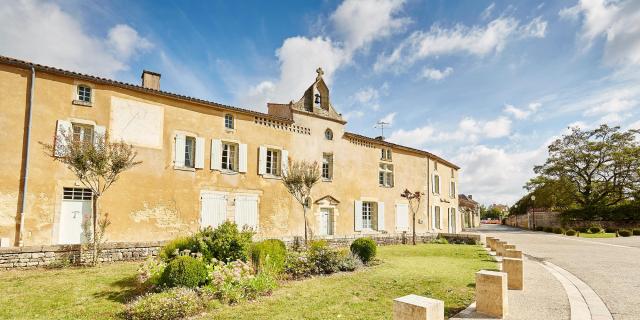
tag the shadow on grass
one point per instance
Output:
(123, 290)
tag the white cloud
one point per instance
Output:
(389, 118)
(614, 105)
(616, 21)
(416, 137)
(537, 28)
(435, 74)
(42, 32)
(497, 128)
(367, 95)
(495, 174)
(635, 125)
(355, 114)
(522, 113)
(357, 22)
(486, 13)
(476, 40)
(361, 22)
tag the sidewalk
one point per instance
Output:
(543, 297)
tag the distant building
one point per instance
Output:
(469, 211)
(504, 209)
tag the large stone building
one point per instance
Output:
(203, 163)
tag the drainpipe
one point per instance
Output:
(26, 158)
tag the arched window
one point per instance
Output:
(328, 134)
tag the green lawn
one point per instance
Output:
(597, 235)
(443, 272)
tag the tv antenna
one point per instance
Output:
(380, 125)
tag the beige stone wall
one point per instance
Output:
(154, 201)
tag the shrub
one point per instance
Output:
(570, 232)
(624, 233)
(583, 229)
(636, 232)
(325, 260)
(548, 229)
(610, 230)
(558, 230)
(176, 303)
(539, 228)
(150, 272)
(269, 255)
(263, 283)
(224, 243)
(364, 248)
(184, 271)
(298, 265)
(595, 229)
(172, 249)
(234, 281)
(349, 261)
(439, 241)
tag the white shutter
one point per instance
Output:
(357, 215)
(199, 164)
(285, 161)
(247, 211)
(440, 218)
(380, 216)
(179, 152)
(433, 183)
(99, 132)
(213, 211)
(216, 154)
(402, 217)
(262, 160)
(242, 158)
(433, 217)
(63, 128)
(439, 186)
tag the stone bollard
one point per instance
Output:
(491, 293)
(508, 247)
(487, 241)
(414, 307)
(500, 247)
(493, 243)
(511, 253)
(515, 273)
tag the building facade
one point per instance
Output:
(469, 211)
(202, 163)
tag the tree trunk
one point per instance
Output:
(414, 229)
(304, 214)
(94, 230)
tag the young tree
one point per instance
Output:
(97, 163)
(299, 178)
(601, 164)
(414, 199)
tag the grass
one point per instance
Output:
(597, 235)
(443, 272)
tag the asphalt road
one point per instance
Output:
(611, 267)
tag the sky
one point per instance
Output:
(485, 84)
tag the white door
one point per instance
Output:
(72, 215)
(326, 221)
(213, 209)
(247, 211)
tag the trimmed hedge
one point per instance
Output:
(625, 212)
(595, 229)
(364, 248)
(184, 271)
(624, 233)
(269, 255)
(610, 230)
(558, 230)
(636, 232)
(570, 232)
(539, 228)
(548, 229)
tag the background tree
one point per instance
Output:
(299, 179)
(414, 199)
(97, 163)
(490, 213)
(601, 165)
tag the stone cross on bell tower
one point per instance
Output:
(320, 73)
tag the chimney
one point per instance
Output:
(150, 80)
(381, 138)
(470, 197)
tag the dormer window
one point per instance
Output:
(84, 93)
(328, 134)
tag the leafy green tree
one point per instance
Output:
(601, 165)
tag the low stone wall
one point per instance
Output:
(553, 219)
(42, 256)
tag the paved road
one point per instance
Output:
(611, 267)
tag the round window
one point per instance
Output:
(328, 134)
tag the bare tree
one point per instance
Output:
(97, 163)
(299, 178)
(414, 199)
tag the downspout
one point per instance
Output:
(429, 212)
(26, 158)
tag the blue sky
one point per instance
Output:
(485, 84)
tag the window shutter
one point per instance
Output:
(357, 215)
(99, 132)
(433, 217)
(213, 211)
(440, 218)
(179, 152)
(262, 160)
(199, 164)
(246, 213)
(380, 216)
(285, 161)
(242, 158)
(439, 186)
(63, 128)
(433, 183)
(402, 217)
(216, 154)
